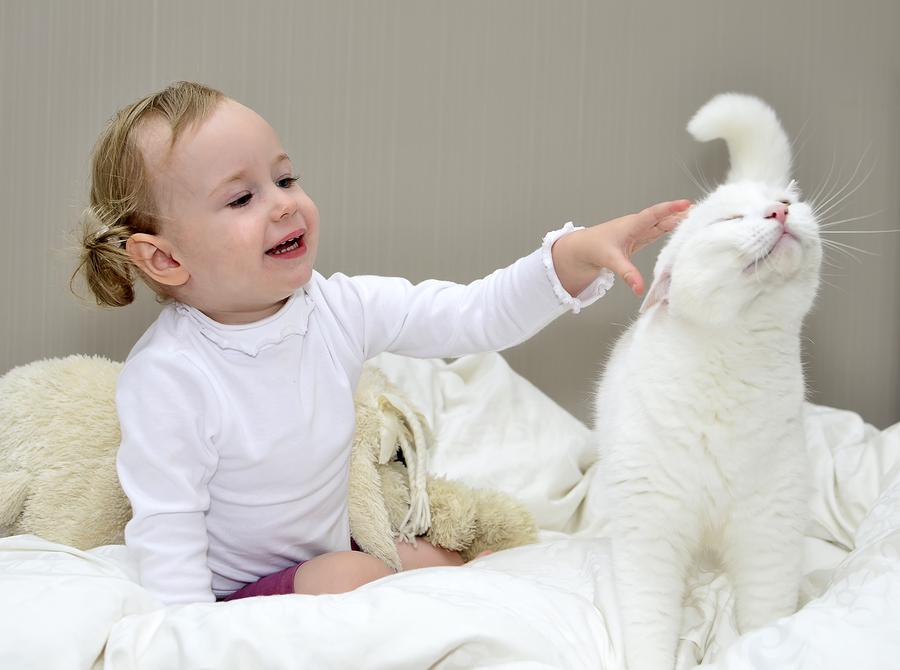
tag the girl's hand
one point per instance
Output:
(578, 257)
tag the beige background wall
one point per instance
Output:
(444, 139)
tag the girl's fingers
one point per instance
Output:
(621, 266)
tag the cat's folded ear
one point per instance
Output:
(659, 290)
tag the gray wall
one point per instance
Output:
(443, 139)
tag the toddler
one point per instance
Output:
(236, 406)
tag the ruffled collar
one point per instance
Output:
(251, 338)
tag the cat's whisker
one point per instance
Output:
(708, 186)
(699, 180)
(799, 150)
(825, 183)
(835, 286)
(825, 208)
(847, 249)
(799, 133)
(834, 245)
(831, 224)
(858, 232)
(756, 272)
(823, 204)
(843, 273)
(830, 261)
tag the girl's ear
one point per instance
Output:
(155, 256)
(659, 290)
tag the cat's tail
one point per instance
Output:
(757, 144)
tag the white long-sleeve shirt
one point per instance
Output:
(236, 439)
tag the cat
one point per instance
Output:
(699, 413)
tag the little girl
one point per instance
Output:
(236, 406)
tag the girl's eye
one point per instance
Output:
(286, 182)
(240, 202)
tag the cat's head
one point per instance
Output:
(751, 248)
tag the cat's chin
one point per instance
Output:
(783, 257)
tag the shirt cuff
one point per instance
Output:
(597, 288)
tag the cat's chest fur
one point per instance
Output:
(719, 414)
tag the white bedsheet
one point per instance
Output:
(550, 605)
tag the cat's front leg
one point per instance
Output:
(651, 558)
(763, 554)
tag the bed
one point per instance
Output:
(545, 605)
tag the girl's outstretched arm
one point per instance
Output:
(578, 257)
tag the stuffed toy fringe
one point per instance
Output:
(392, 494)
(59, 435)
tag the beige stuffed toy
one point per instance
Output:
(391, 499)
(59, 434)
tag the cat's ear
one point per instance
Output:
(659, 290)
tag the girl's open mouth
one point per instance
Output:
(286, 247)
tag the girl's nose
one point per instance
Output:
(284, 205)
(777, 211)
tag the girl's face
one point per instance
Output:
(234, 220)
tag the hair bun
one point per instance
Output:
(106, 266)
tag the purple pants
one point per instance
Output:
(278, 584)
(273, 585)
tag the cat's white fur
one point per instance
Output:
(698, 420)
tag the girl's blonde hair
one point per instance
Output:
(121, 200)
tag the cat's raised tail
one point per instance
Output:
(757, 144)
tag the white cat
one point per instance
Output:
(699, 424)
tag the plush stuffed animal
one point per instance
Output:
(59, 434)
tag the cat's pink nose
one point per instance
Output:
(777, 211)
